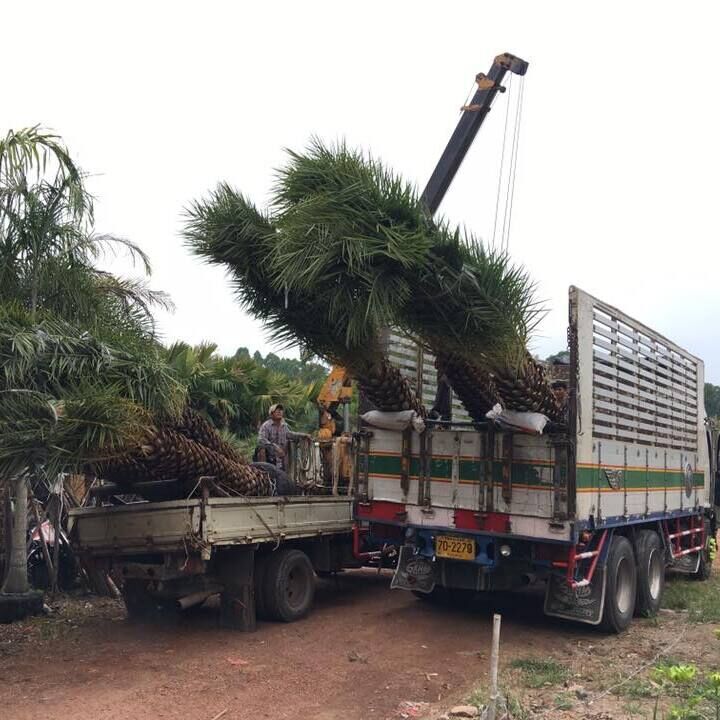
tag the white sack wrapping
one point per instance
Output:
(529, 422)
(394, 420)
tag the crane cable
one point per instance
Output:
(502, 160)
(513, 165)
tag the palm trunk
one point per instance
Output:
(527, 389)
(16, 580)
(385, 387)
(473, 385)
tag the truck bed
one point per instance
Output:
(201, 524)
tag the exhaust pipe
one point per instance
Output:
(195, 598)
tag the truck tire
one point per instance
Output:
(650, 557)
(620, 588)
(289, 585)
(705, 568)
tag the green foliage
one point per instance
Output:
(349, 226)
(348, 250)
(68, 399)
(226, 229)
(235, 393)
(563, 701)
(81, 373)
(48, 249)
(694, 694)
(712, 400)
(296, 369)
(538, 673)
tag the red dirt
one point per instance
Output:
(362, 652)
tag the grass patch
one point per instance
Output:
(510, 706)
(637, 688)
(538, 673)
(478, 698)
(563, 701)
(634, 708)
(701, 600)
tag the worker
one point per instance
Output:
(560, 391)
(275, 436)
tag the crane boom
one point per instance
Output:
(467, 128)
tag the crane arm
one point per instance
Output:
(488, 86)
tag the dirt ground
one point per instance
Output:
(364, 652)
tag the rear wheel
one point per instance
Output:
(650, 557)
(289, 585)
(620, 587)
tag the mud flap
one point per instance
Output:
(584, 604)
(687, 564)
(413, 572)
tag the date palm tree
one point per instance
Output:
(339, 323)
(69, 401)
(344, 220)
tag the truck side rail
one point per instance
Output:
(182, 525)
(136, 528)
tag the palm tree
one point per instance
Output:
(47, 276)
(340, 324)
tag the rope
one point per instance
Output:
(516, 145)
(502, 158)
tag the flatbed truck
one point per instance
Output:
(260, 554)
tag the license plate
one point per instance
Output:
(454, 547)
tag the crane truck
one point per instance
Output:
(597, 507)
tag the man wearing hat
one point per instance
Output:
(274, 437)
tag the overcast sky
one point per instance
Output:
(617, 174)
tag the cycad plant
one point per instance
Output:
(340, 322)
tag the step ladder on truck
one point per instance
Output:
(598, 506)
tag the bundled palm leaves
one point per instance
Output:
(349, 250)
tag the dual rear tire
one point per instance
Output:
(635, 579)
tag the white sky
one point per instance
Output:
(617, 177)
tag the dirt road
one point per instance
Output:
(365, 652)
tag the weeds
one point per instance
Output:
(563, 701)
(537, 673)
(511, 705)
(637, 688)
(701, 600)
